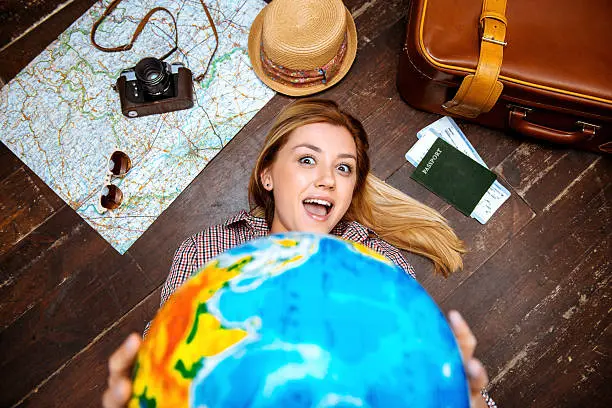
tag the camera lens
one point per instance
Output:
(153, 75)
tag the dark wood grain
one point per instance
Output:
(481, 242)
(540, 175)
(18, 53)
(17, 16)
(547, 247)
(375, 16)
(43, 260)
(90, 299)
(83, 380)
(573, 309)
(9, 163)
(24, 206)
(517, 278)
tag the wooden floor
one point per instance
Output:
(536, 287)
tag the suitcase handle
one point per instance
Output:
(517, 120)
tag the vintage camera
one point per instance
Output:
(154, 86)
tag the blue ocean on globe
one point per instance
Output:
(330, 324)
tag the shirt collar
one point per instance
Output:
(351, 230)
(258, 225)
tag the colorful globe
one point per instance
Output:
(300, 320)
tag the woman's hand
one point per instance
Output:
(477, 375)
(120, 366)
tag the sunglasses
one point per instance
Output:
(118, 165)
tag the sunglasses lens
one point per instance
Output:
(119, 163)
(111, 197)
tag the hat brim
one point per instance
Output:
(254, 56)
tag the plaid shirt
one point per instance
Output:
(200, 248)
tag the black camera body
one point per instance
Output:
(154, 86)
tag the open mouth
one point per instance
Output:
(320, 208)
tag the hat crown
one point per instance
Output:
(303, 34)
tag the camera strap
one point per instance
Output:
(113, 5)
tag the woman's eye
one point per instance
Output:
(345, 168)
(307, 160)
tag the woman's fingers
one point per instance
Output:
(122, 360)
(477, 374)
(119, 367)
(463, 334)
(118, 395)
(478, 379)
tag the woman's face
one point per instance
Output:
(312, 178)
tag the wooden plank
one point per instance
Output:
(43, 189)
(500, 294)
(17, 17)
(374, 16)
(481, 242)
(9, 163)
(43, 260)
(540, 173)
(82, 381)
(19, 52)
(546, 182)
(567, 341)
(65, 321)
(586, 382)
(24, 206)
(548, 246)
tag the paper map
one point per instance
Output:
(61, 117)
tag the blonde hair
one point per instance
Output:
(397, 218)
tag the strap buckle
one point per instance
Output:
(494, 41)
(499, 17)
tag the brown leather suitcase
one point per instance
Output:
(538, 68)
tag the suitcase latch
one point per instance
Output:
(524, 110)
(590, 126)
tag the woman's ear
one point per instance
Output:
(266, 179)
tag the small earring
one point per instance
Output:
(268, 185)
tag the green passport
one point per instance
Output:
(453, 176)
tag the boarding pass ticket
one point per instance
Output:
(447, 129)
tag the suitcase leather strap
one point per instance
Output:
(479, 92)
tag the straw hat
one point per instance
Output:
(300, 47)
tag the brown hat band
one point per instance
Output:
(303, 78)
